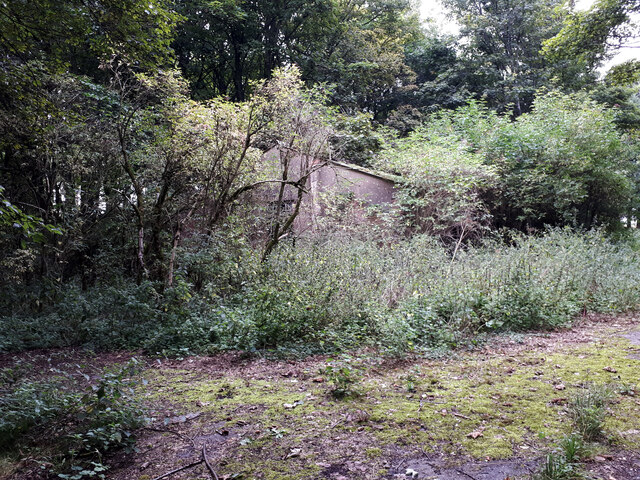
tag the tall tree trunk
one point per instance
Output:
(172, 258)
(237, 41)
(138, 206)
(177, 236)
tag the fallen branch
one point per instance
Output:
(206, 461)
(397, 467)
(462, 472)
(460, 415)
(185, 467)
(433, 466)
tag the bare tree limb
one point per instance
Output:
(206, 461)
(185, 467)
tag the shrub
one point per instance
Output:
(84, 425)
(441, 182)
(335, 295)
(28, 405)
(344, 375)
(588, 410)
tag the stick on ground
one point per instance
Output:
(206, 461)
(185, 467)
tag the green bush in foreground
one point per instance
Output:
(332, 296)
(86, 424)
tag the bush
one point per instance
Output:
(110, 316)
(86, 424)
(335, 295)
(442, 182)
(343, 375)
(29, 405)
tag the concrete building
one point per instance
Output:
(332, 189)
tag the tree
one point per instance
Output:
(79, 33)
(440, 81)
(302, 128)
(30, 227)
(624, 102)
(355, 45)
(501, 48)
(362, 55)
(223, 46)
(564, 163)
(188, 163)
(590, 37)
(624, 74)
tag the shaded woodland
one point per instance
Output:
(132, 180)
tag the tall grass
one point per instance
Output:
(416, 294)
(339, 294)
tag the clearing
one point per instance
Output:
(492, 413)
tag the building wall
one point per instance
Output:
(365, 190)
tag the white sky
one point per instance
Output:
(433, 9)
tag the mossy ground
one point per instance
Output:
(277, 420)
(501, 402)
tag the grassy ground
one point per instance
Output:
(488, 414)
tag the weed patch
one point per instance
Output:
(333, 297)
(81, 425)
(588, 410)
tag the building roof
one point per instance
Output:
(357, 168)
(374, 173)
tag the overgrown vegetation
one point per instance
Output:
(88, 416)
(135, 216)
(329, 296)
(470, 169)
(161, 188)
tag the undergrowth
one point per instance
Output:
(411, 295)
(83, 417)
(587, 410)
(344, 376)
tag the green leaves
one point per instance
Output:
(590, 36)
(501, 42)
(358, 46)
(442, 177)
(31, 227)
(562, 164)
(344, 375)
(80, 33)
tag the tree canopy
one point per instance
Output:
(127, 126)
(592, 36)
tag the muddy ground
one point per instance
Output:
(491, 413)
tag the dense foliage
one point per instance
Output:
(334, 295)
(88, 415)
(157, 166)
(138, 208)
(563, 163)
